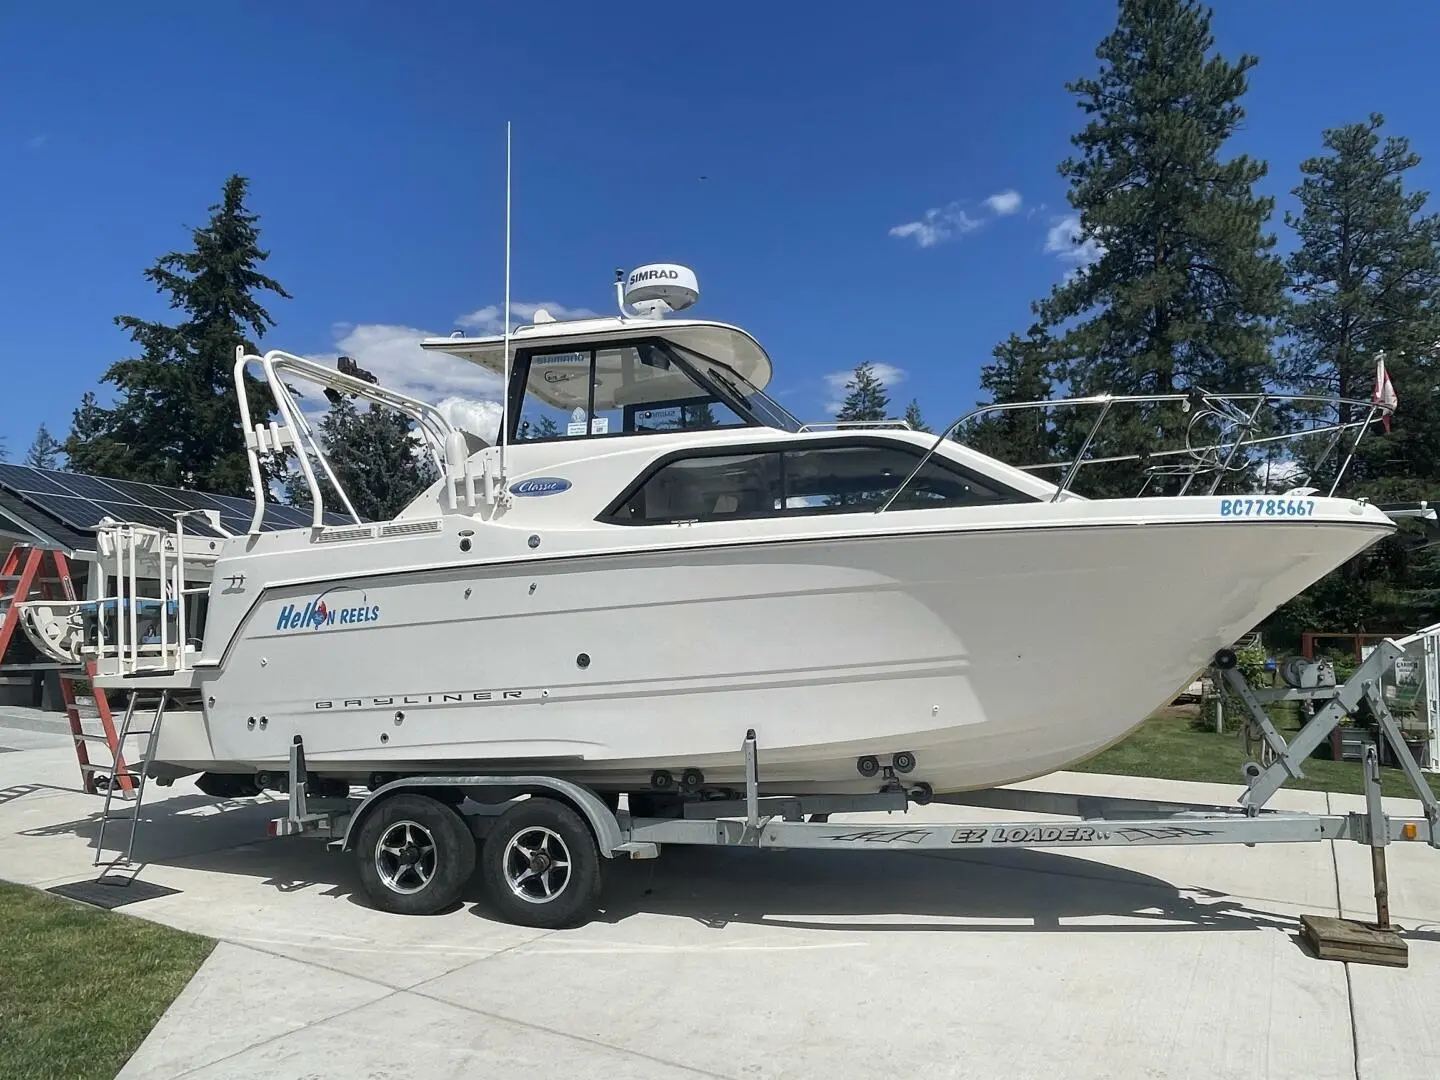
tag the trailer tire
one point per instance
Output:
(416, 854)
(540, 865)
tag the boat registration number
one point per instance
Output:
(1267, 507)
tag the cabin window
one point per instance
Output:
(711, 487)
(623, 389)
(814, 479)
(854, 478)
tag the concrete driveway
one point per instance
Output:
(1155, 962)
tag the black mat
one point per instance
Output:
(111, 891)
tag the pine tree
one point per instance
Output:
(44, 452)
(92, 446)
(1021, 372)
(3, 452)
(914, 418)
(1366, 281)
(865, 398)
(376, 458)
(175, 420)
(697, 417)
(1185, 289)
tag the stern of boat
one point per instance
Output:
(145, 613)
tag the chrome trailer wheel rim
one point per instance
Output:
(405, 857)
(537, 865)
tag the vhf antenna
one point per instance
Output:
(505, 389)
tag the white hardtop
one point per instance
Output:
(728, 344)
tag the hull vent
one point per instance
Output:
(335, 536)
(409, 528)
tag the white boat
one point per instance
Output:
(659, 558)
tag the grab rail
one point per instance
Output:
(125, 542)
(1224, 407)
(293, 431)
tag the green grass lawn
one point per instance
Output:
(81, 988)
(1169, 747)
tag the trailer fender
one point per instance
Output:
(603, 824)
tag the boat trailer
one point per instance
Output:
(541, 859)
(541, 843)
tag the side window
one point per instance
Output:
(712, 487)
(556, 388)
(861, 478)
(696, 414)
(821, 479)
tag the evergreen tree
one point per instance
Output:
(376, 458)
(175, 420)
(1021, 372)
(913, 417)
(1366, 281)
(3, 452)
(44, 452)
(1185, 288)
(697, 417)
(93, 446)
(544, 428)
(865, 398)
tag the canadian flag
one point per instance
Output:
(1384, 394)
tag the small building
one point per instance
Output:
(61, 511)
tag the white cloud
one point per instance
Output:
(487, 320)
(835, 382)
(1004, 202)
(940, 223)
(466, 394)
(35, 142)
(1068, 242)
(937, 224)
(480, 417)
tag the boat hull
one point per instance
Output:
(991, 655)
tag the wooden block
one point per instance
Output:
(1353, 942)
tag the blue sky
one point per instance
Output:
(848, 157)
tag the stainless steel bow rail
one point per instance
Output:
(1218, 438)
(541, 856)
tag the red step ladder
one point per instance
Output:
(24, 572)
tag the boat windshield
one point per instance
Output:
(632, 388)
(764, 408)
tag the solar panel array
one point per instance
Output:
(81, 502)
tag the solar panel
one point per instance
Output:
(81, 514)
(147, 495)
(81, 502)
(138, 515)
(23, 478)
(89, 487)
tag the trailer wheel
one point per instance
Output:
(416, 854)
(540, 865)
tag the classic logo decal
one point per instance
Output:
(323, 612)
(540, 485)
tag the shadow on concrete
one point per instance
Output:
(1017, 891)
(994, 891)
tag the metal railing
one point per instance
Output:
(1243, 414)
(446, 445)
(127, 632)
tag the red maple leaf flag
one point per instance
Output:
(1384, 394)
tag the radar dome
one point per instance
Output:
(659, 288)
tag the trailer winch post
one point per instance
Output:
(1379, 837)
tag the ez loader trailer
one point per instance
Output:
(542, 858)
